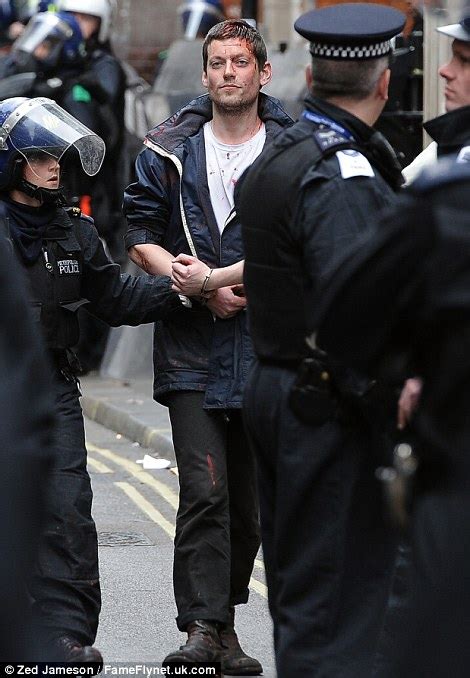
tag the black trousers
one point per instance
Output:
(217, 530)
(65, 588)
(328, 552)
(434, 641)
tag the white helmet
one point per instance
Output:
(104, 9)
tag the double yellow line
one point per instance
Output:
(146, 506)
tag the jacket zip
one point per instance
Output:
(50, 277)
(230, 218)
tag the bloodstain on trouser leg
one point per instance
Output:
(211, 467)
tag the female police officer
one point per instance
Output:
(65, 263)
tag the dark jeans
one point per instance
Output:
(329, 555)
(217, 531)
(65, 587)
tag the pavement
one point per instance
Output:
(127, 407)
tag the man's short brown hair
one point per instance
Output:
(346, 79)
(236, 28)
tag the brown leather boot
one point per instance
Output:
(69, 650)
(235, 662)
(203, 645)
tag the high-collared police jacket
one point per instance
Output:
(74, 270)
(169, 205)
(318, 188)
(451, 130)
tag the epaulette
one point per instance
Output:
(76, 212)
(447, 170)
(328, 138)
(73, 211)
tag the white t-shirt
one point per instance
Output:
(225, 164)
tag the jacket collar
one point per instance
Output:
(360, 131)
(370, 141)
(60, 226)
(173, 132)
(451, 131)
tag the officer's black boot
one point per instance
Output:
(69, 650)
(235, 662)
(203, 645)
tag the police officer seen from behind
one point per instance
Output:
(67, 268)
(314, 191)
(407, 291)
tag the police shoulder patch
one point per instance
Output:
(327, 138)
(354, 164)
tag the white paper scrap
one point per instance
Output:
(149, 462)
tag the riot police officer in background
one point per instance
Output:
(62, 50)
(198, 17)
(52, 50)
(104, 71)
(66, 265)
(313, 192)
(14, 14)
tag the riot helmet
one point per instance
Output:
(40, 125)
(198, 17)
(103, 9)
(29, 8)
(51, 39)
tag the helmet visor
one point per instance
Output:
(42, 125)
(199, 16)
(43, 28)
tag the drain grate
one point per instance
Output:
(123, 539)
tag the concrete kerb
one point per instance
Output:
(122, 422)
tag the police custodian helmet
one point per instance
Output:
(460, 31)
(30, 126)
(350, 31)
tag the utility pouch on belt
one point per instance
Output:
(312, 397)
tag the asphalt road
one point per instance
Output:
(135, 515)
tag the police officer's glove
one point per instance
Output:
(50, 88)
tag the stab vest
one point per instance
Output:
(274, 282)
(55, 283)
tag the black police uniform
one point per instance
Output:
(450, 131)
(413, 282)
(25, 456)
(67, 268)
(317, 189)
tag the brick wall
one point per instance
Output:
(143, 28)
